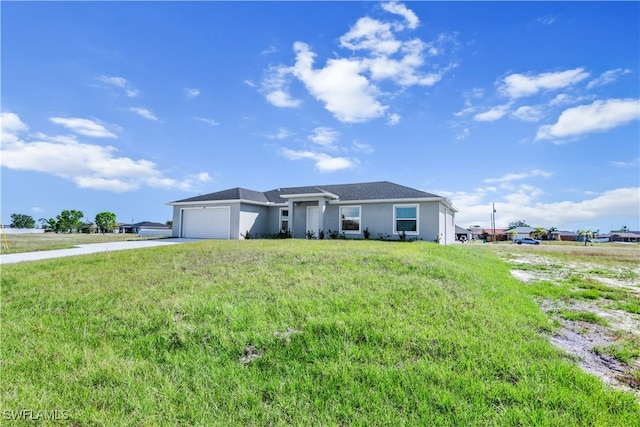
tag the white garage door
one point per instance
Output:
(209, 223)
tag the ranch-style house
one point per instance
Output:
(380, 209)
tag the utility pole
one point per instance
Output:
(493, 221)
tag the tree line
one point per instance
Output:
(68, 221)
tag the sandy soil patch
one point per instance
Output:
(588, 341)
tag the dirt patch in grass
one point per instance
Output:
(594, 307)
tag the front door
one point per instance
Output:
(312, 220)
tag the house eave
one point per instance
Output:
(224, 202)
(310, 196)
(444, 200)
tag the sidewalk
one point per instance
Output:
(90, 248)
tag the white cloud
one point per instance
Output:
(596, 117)
(510, 177)
(192, 92)
(362, 147)
(607, 77)
(87, 165)
(400, 9)
(276, 85)
(547, 19)
(122, 83)
(347, 94)
(143, 112)
(626, 163)
(210, 122)
(462, 134)
(323, 162)
(564, 99)
(249, 83)
(113, 80)
(325, 137)
(528, 113)
(348, 86)
(519, 85)
(283, 133)
(475, 208)
(371, 34)
(493, 114)
(203, 177)
(280, 98)
(84, 127)
(394, 119)
(10, 124)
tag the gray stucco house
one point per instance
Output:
(384, 208)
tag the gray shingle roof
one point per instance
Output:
(230, 194)
(380, 190)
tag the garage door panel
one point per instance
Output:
(209, 223)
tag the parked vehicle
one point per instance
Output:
(526, 241)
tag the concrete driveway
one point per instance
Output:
(90, 248)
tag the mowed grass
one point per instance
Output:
(19, 243)
(357, 333)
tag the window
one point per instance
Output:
(405, 218)
(350, 219)
(284, 220)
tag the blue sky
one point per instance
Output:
(123, 106)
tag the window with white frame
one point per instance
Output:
(350, 219)
(284, 220)
(405, 218)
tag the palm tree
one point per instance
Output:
(587, 234)
(538, 233)
(550, 231)
(513, 234)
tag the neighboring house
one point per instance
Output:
(146, 228)
(500, 235)
(487, 234)
(384, 209)
(462, 234)
(625, 236)
(565, 236)
(522, 232)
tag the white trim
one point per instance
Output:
(359, 230)
(280, 218)
(324, 194)
(417, 206)
(224, 202)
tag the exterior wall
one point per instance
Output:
(251, 218)
(243, 217)
(299, 223)
(378, 218)
(434, 219)
(272, 226)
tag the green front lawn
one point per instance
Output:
(289, 332)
